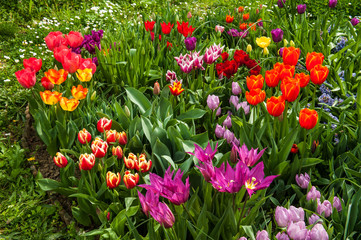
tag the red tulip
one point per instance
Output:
(184, 29)
(308, 118)
(113, 180)
(60, 160)
(45, 82)
(99, 148)
(303, 79)
(112, 136)
(86, 161)
(55, 39)
(60, 52)
(245, 16)
(287, 71)
(291, 55)
(290, 88)
(33, 63)
(255, 96)
(74, 39)
(149, 25)
(142, 164)
(118, 152)
(319, 74)
(313, 59)
(294, 149)
(122, 136)
(166, 28)
(71, 62)
(26, 77)
(276, 105)
(272, 78)
(87, 63)
(229, 19)
(130, 161)
(130, 180)
(84, 136)
(104, 124)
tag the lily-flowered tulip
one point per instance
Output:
(60, 160)
(176, 87)
(308, 118)
(204, 155)
(280, 3)
(163, 215)
(46, 83)
(263, 42)
(50, 98)
(301, 8)
(74, 39)
(33, 63)
(277, 34)
(149, 202)
(149, 25)
(171, 75)
(313, 194)
(291, 55)
(122, 137)
(337, 204)
(130, 180)
(282, 236)
(55, 39)
(245, 16)
(79, 92)
(113, 180)
(69, 104)
(255, 96)
(173, 189)
(297, 231)
(282, 216)
(228, 179)
(99, 148)
(212, 53)
(355, 21)
(142, 165)
(190, 43)
(303, 180)
(262, 235)
(111, 136)
(319, 74)
(318, 232)
(272, 78)
(86, 161)
(304, 79)
(84, 75)
(296, 214)
(118, 152)
(254, 82)
(56, 77)
(213, 101)
(166, 28)
(313, 59)
(219, 131)
(71, 62)
(236, 89)
(26, 77)
(184, 29)
(104, 124)
(229, 19)
(275, 105)
(130, 161)
(312, 219)
(325, 207)
(84, 136)
(249, 157)
(290, 88)
(219, 28)
(243, 26)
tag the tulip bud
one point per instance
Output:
(285, 42)
(314, 145)
(143, 51)
(292, 44)
(118, 152)
(219, 131)
(265, 51)
(294, 149)
(156, 89)
(126, 111)
(236, 89)
(122, 136)
(337, 204)
(60, 160)
(234, 152)
(108, 216)
(227, 122)
(249, 48)
(93, 96)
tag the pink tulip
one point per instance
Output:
(88, 63)
(33, 63)
(54, 39)
(71, 62)
(60, 52)
(74, 39)
(26, 77)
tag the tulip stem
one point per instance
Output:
(242, 213)
(174, 233)
(313, 97)
(190, 216)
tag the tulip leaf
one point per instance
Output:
(133, 229)
(47, 184)
(128, 202)
(139, 99)
(249, 231)
(170, 161)
(191, 114)
(118, 222)
(147, 128)
(81, 216)
(308, 162)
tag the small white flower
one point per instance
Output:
(7, 80)
(16, 60)
(22, 56)
(6, 57)
(30, 41)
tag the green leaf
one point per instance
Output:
(249, 231)
(47, 184)
(308, 162)
(133, 229)
(192, 114)
(139, 99)
(81, 216)
(118, 223)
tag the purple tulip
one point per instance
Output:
(234, 100)
(219, 131)
(281, 51)
(219, 111)
(354, 21)
(243, 238)
(190, 43)
(296, 214)
(313, 194)
(332, 3)
(277, 35)
(282, 216)
(297, 231)
(314, 218)
(163, 215)
(149, 202)
(236, 89)
(262, 235)
(301, 8)
(170, 75)
(229, 136)
(337, 204)
(227, 122)
(95, 61)
(282, 236)
(280, 3)
(260, 23)
(318, 232)
(228, 179)
(244, 105)
(213, 101)
(207, 170)
(205, 155)
(325, 208)
(249, 157)
(303, 180)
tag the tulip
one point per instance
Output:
(280, 51)
(176, 88)
(149, 26)
(99, 148)
(55, 39)
(169, 45)
(263, 42)
(254, 82)
(296, 214)
(130, 161)
(229, 19)
(218, 112)
(355, 21)
(111, 136)
(60, 160)
(245, 16)
(224, 56)
(303, 79)
(170, 75)
(150, 202)
(118, 152)
(319, 74)
(265, 51)
(87, 63)
(262, 235)
(249, 157)
(280, 3)
(227, 122)
(156, 89)
(312, 219)
(84, 136)
(301, 8)
(204, 155)
(303, 180)
(313, 194)
(130, 180)
(184, 29)
(219, 29)
(277, 35)
(46, 83)
(290, 88)
(79, 92)
(84, 75)
(297, 231)
(219, 131)
(291, 55)
(243, 238)
(60, 52)
(255, 96)
(282, 236)
(190, 43)
(275, 105)
(318, 232)
(163, 215)
(142, 165)
(26, 77)
(189, 15)
(69, 104)
(229, 136)
(122, 136)
(71, 62)
(240, 9)
(74, 39)
(212, 53)
(113, 180)
(33, 63)
(325, 208)
(243, 26)
(104, 124)
(337, 204)
(292, 43)
(236, 89)
(282, 216)
(56, 77)
(332, 3)
(166, 28)
(249, 48)
(272, 78)
(287, 72)
(86, 161)
(49, 97)
(213, 102)
(294, 149)
(313, 59)
(308, 118)
(285, 42)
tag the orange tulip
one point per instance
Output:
(130, 161)
(229, 19)
(84, 75)
(69, 104)
(49, 97)
(56, 77)
(241, 9)
(243, 26)
(304, 79)
(287, 71)
(255, 81)
(319, 74)
(278, 67)
(130, 180)
(308, 118)
(290, 88)
(245, 16)
(252, 26)
(275, 105)
(255, 96)
(113, 180)
(79, 92)
(291, 55)
(313, 59)
(142, 164)
(272, 78)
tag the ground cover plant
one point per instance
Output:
(209, 121)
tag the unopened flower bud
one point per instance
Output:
(249, 48)
(285, 42)
(265, 51)
(126, 111)
(292, 43)
(93, 96)
(156, 89)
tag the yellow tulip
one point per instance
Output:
(263, 42)
(84, 75)
(249, 48)
(265, 51)
(69, 104)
